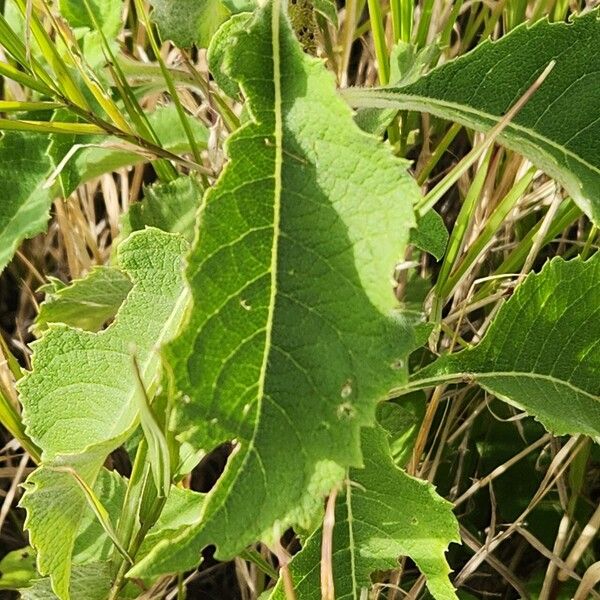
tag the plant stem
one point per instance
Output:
(438, 153)
(378, 32)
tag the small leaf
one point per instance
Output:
(328, 9)
(182, 510)
(540, 352)
(168, 206)
(17, 569)
(25, 206)
(220, 45)
(107, 14)
(407, 64)
(402, 420)
(86, 303)
(293, 264)
(478, 88)
(381, 514)
(189, 22)
(430, 234)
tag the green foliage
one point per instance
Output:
(220, 45)
(189, 22)
(85, 303)
(550, 130)
(106, 13)
(81, 398)
(539, 353)
(381, 514)
(168, 206)
(24, 210)
(102, 154)
(17, 569)
(430, 234)
(289, 258)
(269, 311)
(90, 582)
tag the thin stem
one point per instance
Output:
(378, 32)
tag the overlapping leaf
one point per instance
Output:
(25, 206)
(291, 340)
(80, 400)
(85, 303)
(541, 351)
(168, 206)
(559, 127)
(381, 514)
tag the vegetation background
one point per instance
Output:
(523, 497)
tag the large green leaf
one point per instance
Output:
(558, 129)
(292, 337)
(381, 514)
(541, 351)
(81, 398)
(25, 205)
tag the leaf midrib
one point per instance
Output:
(367, 96)
(481, 376)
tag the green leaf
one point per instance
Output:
(540, 352)
(168, 206)
(25, 206)
(478, 88)
(430, 234)
(220, 45)
(407, 64)
(80, 399)
(292, 339)
(17, 569)
(381, 514)
(92, 544)
(107, 14)
(90, 162)
(189, 22)
(402, 420)
(328, 9)
(182, 510)
(90, 582)
(86, 303)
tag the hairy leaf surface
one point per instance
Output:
(381, 514)
(292, 337)
(559, 127)
(540, 353)
(80, 401)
